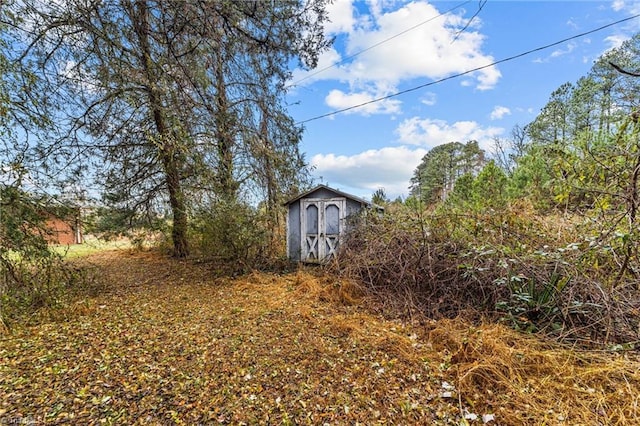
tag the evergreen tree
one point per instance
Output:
(435, 177)
(175, 102)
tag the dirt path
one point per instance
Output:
(166, 343)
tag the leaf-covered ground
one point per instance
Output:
(168, 344)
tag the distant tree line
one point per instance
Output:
(580, 153)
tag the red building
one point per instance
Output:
(64, 227)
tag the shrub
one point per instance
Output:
(32, 276)
(506, 263)
(233, 233)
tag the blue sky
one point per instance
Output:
(381, 144)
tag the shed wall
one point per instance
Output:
(294, 248)
(353, 207)
(293, 231)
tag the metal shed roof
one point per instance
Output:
(340, 193)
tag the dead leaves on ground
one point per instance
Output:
(169, 344)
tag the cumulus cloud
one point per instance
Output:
(499, 112)
(413, 41)
(428, 50)
(337, 99)
(430, 132)
(390, 168)
(341, 17)
(429, 99)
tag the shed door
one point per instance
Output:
(321, 224)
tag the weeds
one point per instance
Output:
(532, 272)
(32, 288)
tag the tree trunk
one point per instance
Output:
(177, 203)
(224, 136)
(270, 180)
(167, 149)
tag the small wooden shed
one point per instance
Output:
(316, 220)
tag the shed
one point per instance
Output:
(316, 220)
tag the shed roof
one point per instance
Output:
(335, 191)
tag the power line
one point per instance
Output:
(431, 83)
(481, 4)
(342, 61)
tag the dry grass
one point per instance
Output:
(169, 344)
(529, 381)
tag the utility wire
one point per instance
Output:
(431, 83)
(481, 4)
(342, 61)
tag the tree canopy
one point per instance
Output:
(170, 103)
(435, 177)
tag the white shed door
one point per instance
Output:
(321, 223)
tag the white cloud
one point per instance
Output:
(337, 99)
(559, 52)
(340, 17)
(428, 50)
(570, 47)
(390, 168)
(629, 6)
(615, 41)
(499, 112)
(618, 5)
(327, 68)
(429, 132)
(628, 29)
(414, 41)
(429, 99)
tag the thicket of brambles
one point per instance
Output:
(543, 236)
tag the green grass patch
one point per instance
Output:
(91, 245)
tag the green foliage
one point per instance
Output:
(489, 187)
(487, 190)
(463, 191)
(177, 103)
(532, 178)
(22, 224)
(533, 303)
(113, 223)
(233, 233)
(582, 146)
(440, 168)
(379, 197)
(32, 276)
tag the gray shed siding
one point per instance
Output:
(293, 231)
(294, 237)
